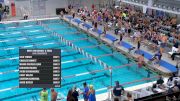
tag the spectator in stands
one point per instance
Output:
(106, 19)
(176, 54)
(118, 90)
(84, 17)
(156, 57)
(25, 16)
(53, 95)
(6, 11)
(116, 99)
(163, 41)
(129, 29)
(175, 88)
(44, 95)
(174, 22)
(1, 11)
(99, 18)
(73, 15)
(176, 44)
(160, 83)
(85, 92)
(116, 29)
(154, 86)
(178, 70)
(129, 97)
(69, 96)
(92, 21)
(91, 93)
(138, 44)
(170, 81)
(75, 94)
(142, 23)
(95, 26)
(105, 28)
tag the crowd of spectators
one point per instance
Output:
(156, 32)
(169, 87)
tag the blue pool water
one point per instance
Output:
(31, 35)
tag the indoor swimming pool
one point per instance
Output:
(76, 67)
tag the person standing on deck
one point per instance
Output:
(120, 38)
(53, 95)
(91, 94)
(75, 93)
(69, 96)
(85, 92)
(175, 53)
(141, 61)
(138, 44)
(104, 30)
(62, 14)
(44, 95)
(74, 14)
(118, 91)
(95, 26)
(163, 42)
(157, 57)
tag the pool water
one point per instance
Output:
(31, 35)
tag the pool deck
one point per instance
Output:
(166, 66)
(105, 96)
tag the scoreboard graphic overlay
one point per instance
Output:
(39, 68)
